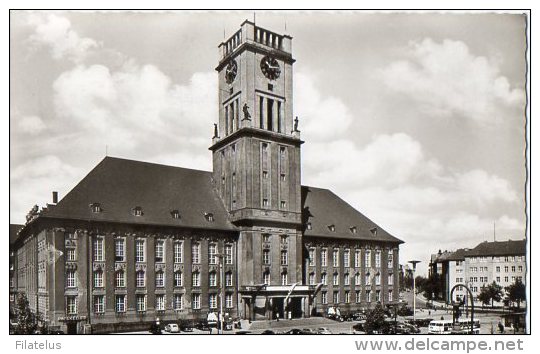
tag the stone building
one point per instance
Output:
(135, 241)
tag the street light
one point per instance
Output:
(414, 263)
(221, 286)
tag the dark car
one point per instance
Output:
(186, 327)
(203, 326)
(294, 331)
(359, 327)
(243, 332)
(268, 331)
(155, 329)
(336, 317)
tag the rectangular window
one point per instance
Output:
(139, 251)
(284, 258)
(71, 305)
(367, 280)
(160, 302)
(120, 303)
(178, 279)
(71, 279)
(141, 303)
(228, 254)
(212, 301)
(196, 279)
(98, 279)
(347, 258)
(119, 250)
(120, 279)
(312, 279)
(323, 279)
(282, 204)
(228, 279)
(357, 296)
(520, 269)
(335, 258)
(160, 279)
(368, 295)
(378, 295)
(390, 259)
(324, 297)
(266, 256)
(377, 259)
(178, 301)
(346, 280)
(98, 249)
(357, 256)
(347, 297)
(335, 279)
(390, 279)
(195, 253)
(357, 280)
(141, 279)
(212, 253)
(160, 251)
(513, 268)
(336, 297)
(178, 252)
(368, 259)
(312, 257)
(265, 203)
(324, 257)
(390, 295)
(284, 279)
(196, 301)
(229, 301)
(99, 304)
(212, 279)
(71, 254)
(266, 278)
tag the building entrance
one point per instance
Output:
(71, 327)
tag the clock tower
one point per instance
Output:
(256, 156)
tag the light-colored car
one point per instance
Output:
(323, 330)
(172, 328)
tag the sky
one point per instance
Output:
(417, 119)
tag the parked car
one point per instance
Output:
(243, 332)
(308, 331)
(172, 328)
(268, 331)
(414, 329)
(323, 330)
(186, 327)
(402, 329)
(359, 327)
(293, 331)
(335, 317)
(203, 326)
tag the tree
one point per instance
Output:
(375, 320)
(490, 293)
(516, 292)
(26, 319)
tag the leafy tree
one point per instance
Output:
(516, 292)
(26, 319)
(490, 293)
(375, 320)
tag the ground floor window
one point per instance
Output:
(347, 297)
(120, 303)
(212, 301)
(357, 296)
(229, 301)
(336, 297)
(378, 295)
(141, 303)
(324, 297)
(99, 303)
(160, 302)
(178, 302)
(196, 301)
(368, 295)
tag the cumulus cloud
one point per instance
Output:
(28, 124)
(319, 111)
(56, 33)
(447, 79)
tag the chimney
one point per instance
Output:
(55, 197)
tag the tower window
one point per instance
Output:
(282, 177)
(265, 174)
(279, 119)
(261, 112)
(265, 203)
(283, 204)
(270, 87)
(96, 208)
(269, 114)
(175, 214)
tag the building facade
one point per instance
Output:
(134, 242)
(502, 262)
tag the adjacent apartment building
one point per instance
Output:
(134, 241)
(502, 262)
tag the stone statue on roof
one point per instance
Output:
(245, 109)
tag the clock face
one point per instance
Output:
(231, 71)
(270, 67)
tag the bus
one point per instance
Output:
(463, 326)
(440, 327)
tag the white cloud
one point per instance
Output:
(31, 125)
(318, 112)
(484, 187)
(447, 79)
(55, 32)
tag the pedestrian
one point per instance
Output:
(501, 327)
(429, 313)
(277, 317)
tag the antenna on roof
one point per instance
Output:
(253, 17)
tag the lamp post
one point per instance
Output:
(414, 263)
(221, 286)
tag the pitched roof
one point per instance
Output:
(120, 185)
(14, 232)
(322, 208)
(458, 255)
(499, 248)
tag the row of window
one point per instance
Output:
(347, 258)
(497, 279)
(358, 298)
(346, 279)
(138, 211)
(140, 279)
(159, 252)
(141, 302)
(497, 259)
